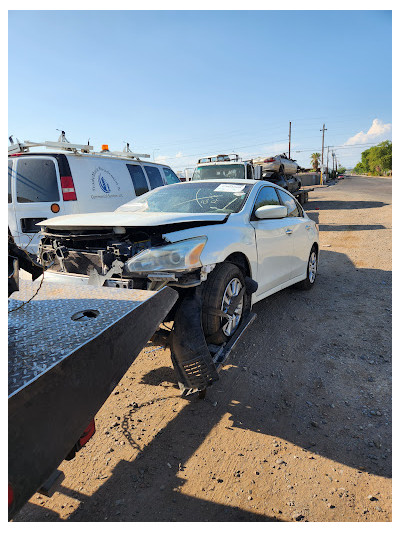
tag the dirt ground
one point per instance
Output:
(299, 426)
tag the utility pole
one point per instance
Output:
(333, 164)
(327, 163)
(290, 136)
(322, 155)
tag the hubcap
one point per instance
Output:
(232, 289)
(312, 267)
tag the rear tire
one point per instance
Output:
(224, 282)
(312, 265)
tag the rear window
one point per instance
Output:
(9, 181)
(138, 179)
(170, 176)
(36, 180)
(154, 176)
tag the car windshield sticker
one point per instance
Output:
(229, 187)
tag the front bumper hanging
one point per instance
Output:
(196, 367)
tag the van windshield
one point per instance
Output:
(227, 172)
(207, 197)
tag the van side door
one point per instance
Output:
(154, 175)
(139, 180)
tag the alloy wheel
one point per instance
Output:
(312, 267)
(232, 289)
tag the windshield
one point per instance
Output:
(191, 197)
(211, 172)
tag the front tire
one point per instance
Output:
(224, 283)
(312, 265)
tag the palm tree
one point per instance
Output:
(315, 157)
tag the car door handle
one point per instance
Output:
(308, 226)
(289, 231)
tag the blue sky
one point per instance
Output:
(183, 84)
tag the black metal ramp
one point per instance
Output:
(68, 349)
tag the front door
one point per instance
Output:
(301, 234)
(274, 244)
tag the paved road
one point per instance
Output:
(298, 428)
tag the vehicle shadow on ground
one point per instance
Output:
(305, 372)
(349, 227)
(314, 215)
(342, 204)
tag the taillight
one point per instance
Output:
(88, 433)
(269, 160)
(68, 188)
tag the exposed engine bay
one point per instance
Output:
(102, 254)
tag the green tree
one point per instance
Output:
(315, 158)
(376, 160)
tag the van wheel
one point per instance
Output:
(225, 283)
(309, 282)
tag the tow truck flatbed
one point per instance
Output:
(302, 194)
(68, 349)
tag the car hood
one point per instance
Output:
(124, 219)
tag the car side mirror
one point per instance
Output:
(271, 211)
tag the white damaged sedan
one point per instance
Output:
(222, 244)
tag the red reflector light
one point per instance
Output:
(68, 188)
(88, 433)
(269, 160)
(10, 495)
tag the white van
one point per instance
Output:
(43, 185)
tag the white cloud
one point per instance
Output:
(162, 159)
(377, 130)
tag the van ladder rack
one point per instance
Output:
(24, 146)
(130, 155)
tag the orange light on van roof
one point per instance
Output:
(104, 146)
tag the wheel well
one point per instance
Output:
(315, 245)
(241, 261)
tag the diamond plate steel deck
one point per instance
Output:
(42, 332)
(62, 371)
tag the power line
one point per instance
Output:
(237, 148)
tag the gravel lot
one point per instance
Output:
(299, 426)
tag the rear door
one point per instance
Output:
(36, 189)
(274, 244)
(12, 222)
